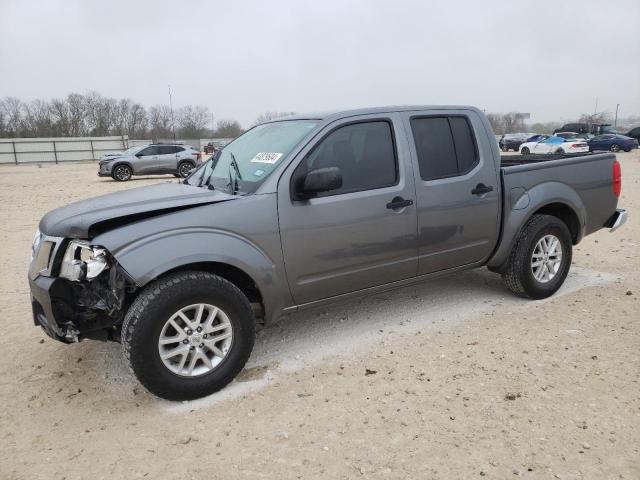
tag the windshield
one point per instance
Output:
(249, 159)
(132, 150)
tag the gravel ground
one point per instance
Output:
(454, 378)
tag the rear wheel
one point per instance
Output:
(615, 148)
(122, 173)
(188, 334)
(525, 151)
(185, 168)
(541, 258)
(560, 151)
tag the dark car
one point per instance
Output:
(585, 128)
(612, 142)
(537, 138)
(634, 133)
(512, 141)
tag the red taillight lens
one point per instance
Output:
(617, 178)
(576, 145)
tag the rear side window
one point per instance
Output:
(445, 146)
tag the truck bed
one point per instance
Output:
(511, 160)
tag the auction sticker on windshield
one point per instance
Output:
(266, 157)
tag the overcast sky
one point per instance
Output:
(549, 58)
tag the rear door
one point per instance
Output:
(167, 158)
(362, 234)
(457, 189)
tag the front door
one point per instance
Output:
(146, 160)
(457, 188)
(362, 234)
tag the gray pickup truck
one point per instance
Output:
(299, 212)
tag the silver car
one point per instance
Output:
(151, 159)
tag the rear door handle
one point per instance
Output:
(398, 203)
(481, 189)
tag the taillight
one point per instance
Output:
(617, 178)
(576, 145)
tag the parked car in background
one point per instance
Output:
(567, 135)
(299, 213)
(586, 128)
(153, 159)
(634, 133)
(612, 143)
(538, 137)
(512, 141)
(555, 144)
(129, 151)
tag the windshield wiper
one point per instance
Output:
(203, 182)
(233, 182)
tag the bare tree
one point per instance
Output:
(268, 116)
(599, 117)
(228, 129)
(13, 110)
(193, 120)
(160, 121)
(38, 121)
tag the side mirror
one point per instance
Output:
(138, 155)
(318, 181)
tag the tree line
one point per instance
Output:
(94, 115)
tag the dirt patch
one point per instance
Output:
(469, 381)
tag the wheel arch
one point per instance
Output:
(123, 162)
(233, 274)
(551, 198)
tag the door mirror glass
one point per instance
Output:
(320, 180)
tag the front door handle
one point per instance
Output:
(481, 189)
(398, 202)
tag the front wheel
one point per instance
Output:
(540, 259)
(122, 173)
(188, 334)
(615, 148)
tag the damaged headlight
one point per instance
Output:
(35, 244)
(83, 261)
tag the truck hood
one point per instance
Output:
(86, 218)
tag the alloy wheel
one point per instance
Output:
(546, 258)
(195, 339)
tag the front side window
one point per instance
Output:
(249, 159)
(364, 152)
(149, 151)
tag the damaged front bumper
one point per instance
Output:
(69, 311)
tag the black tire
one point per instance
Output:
(147, 315)
(615, 148)
(518, 275)
(122, 173)
(184, 168)
(525, 151)
(560, 151)
(627, 150)
(505, 148)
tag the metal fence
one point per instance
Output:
(198, 144)
(75, 149)
(56, 150)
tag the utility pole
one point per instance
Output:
(595, 110)
(173, 123)
(615, 123)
